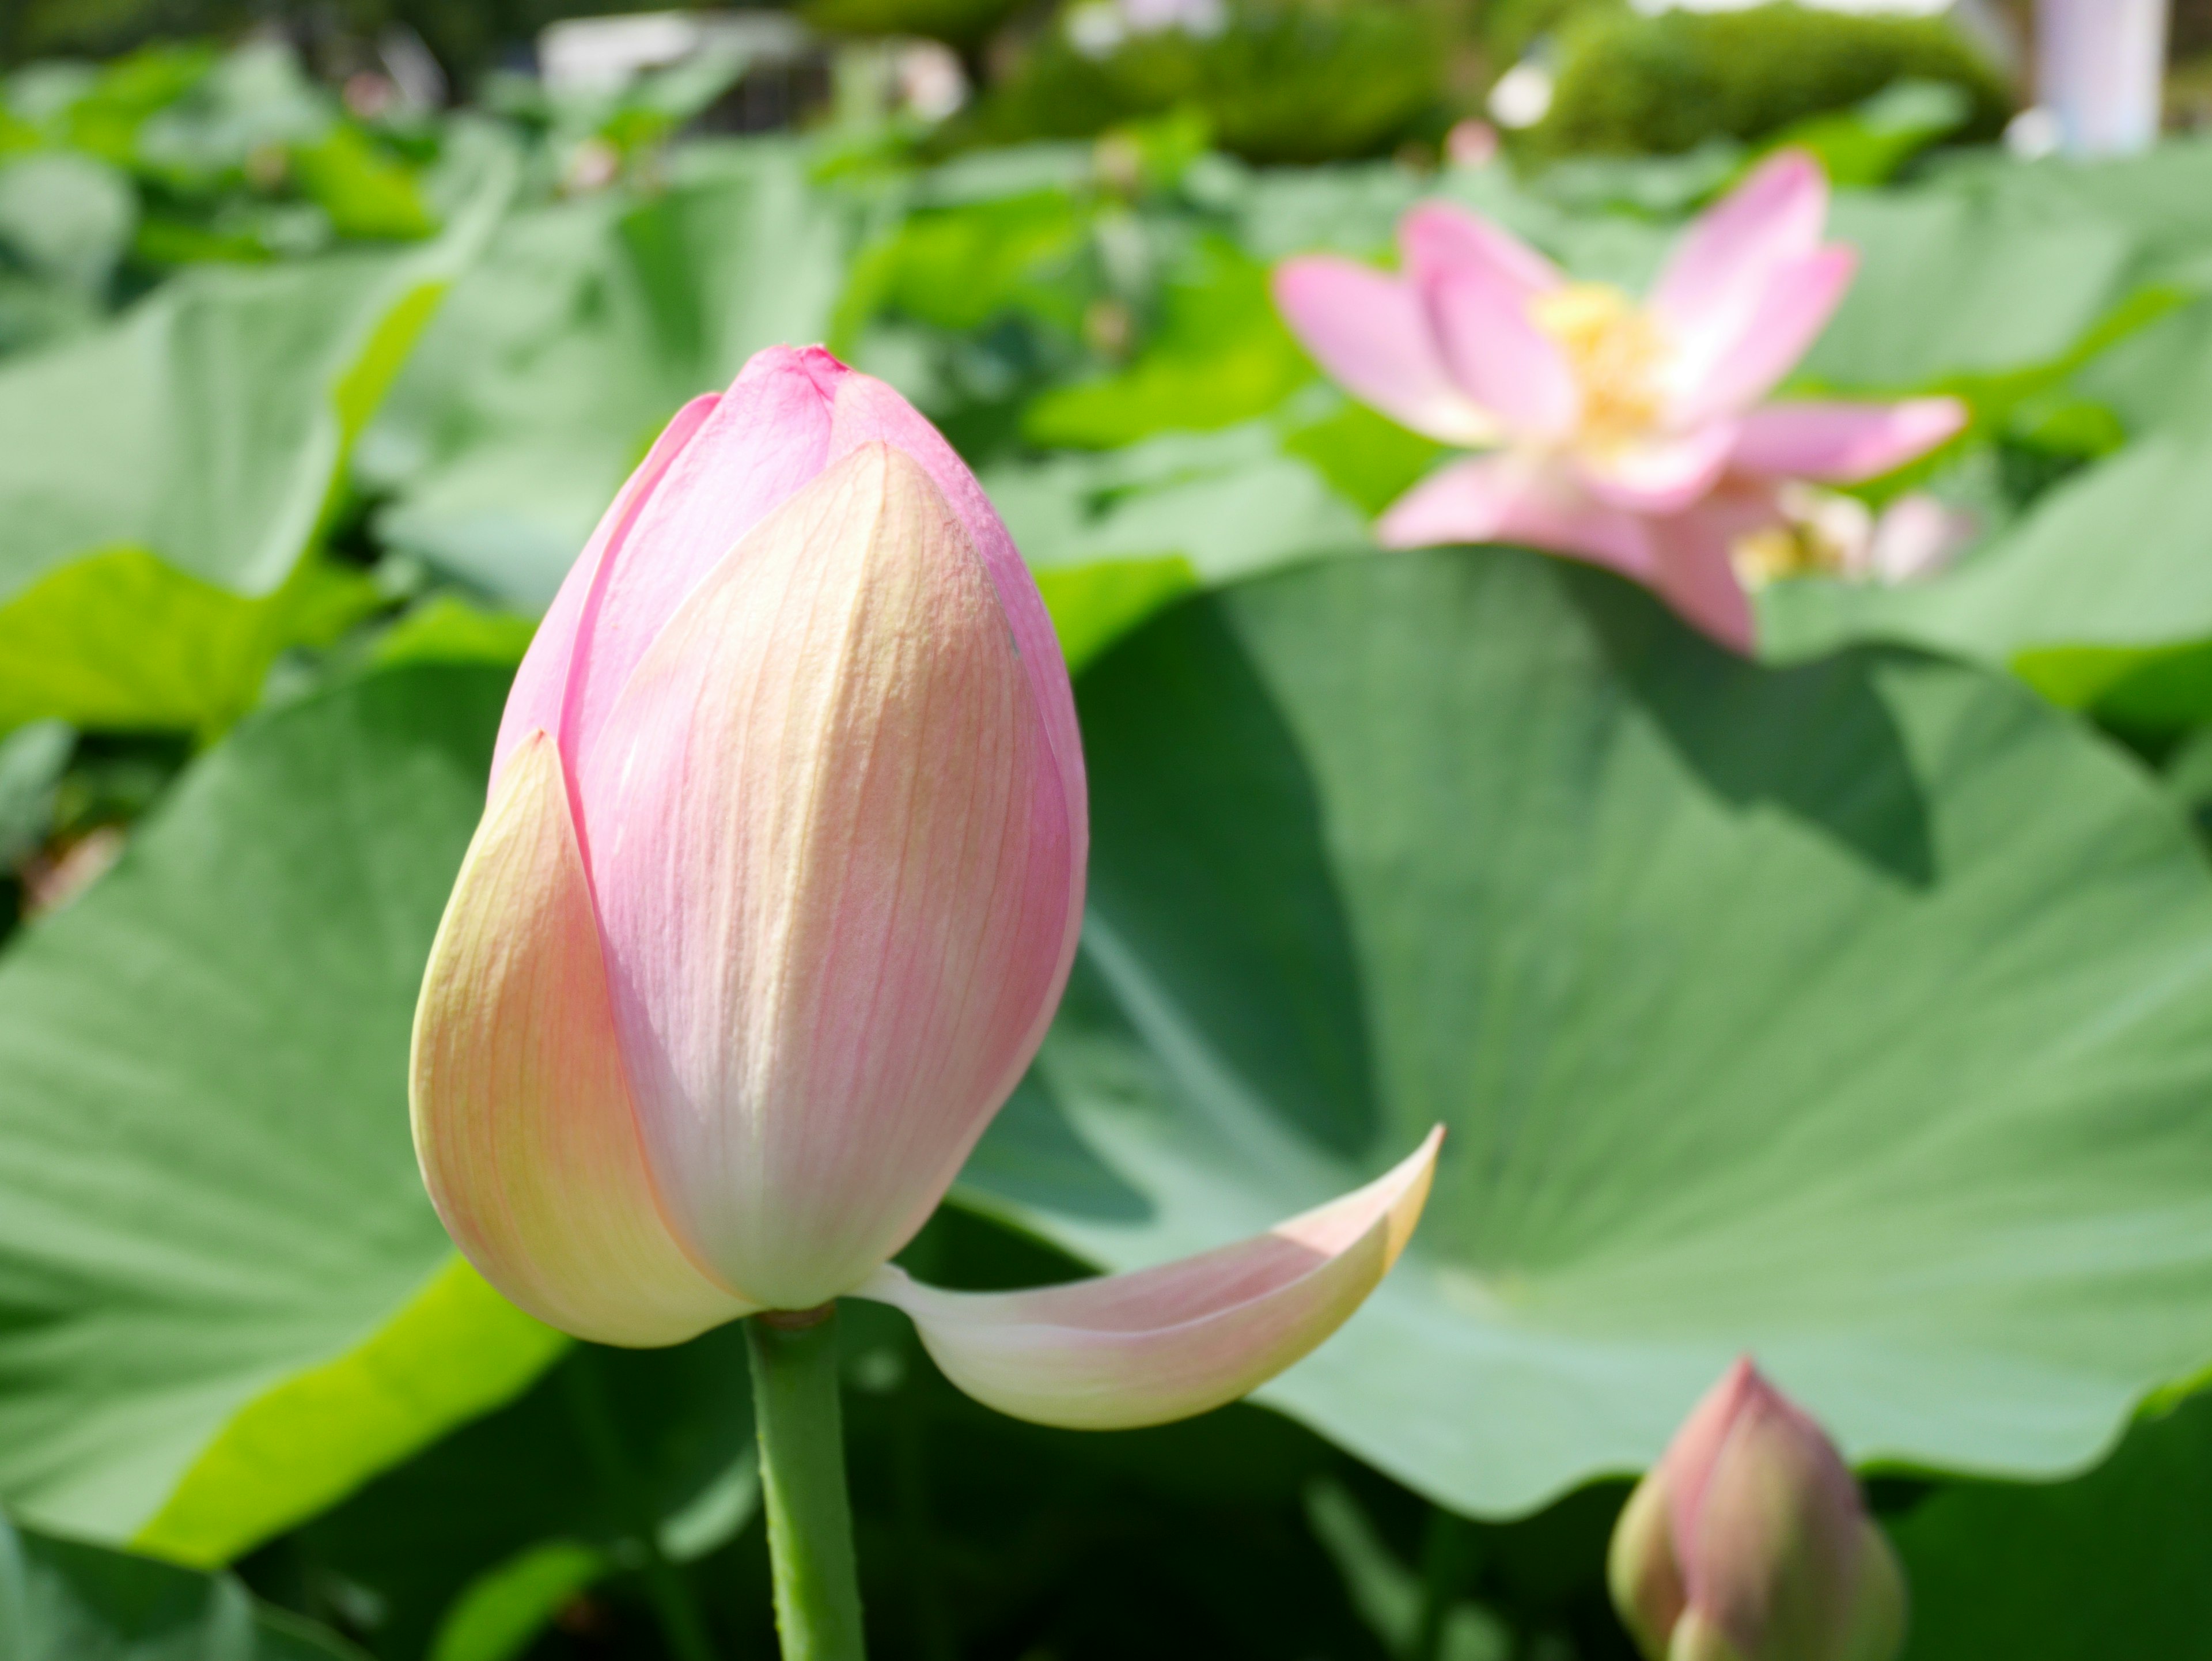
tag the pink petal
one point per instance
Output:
(1437, 237)
(541, 685)
(1736, 369)
(1844, 443)
(1696, 571)
(1517, 498)
(522, 1114)
(1720, 269)
(838, 876)
(1371, 334)
(1498, 357)
(722, 467)
(1772, 1550)
(1162, 1344)
(1917, 536)
(1662, 475)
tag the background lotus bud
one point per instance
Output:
(1747, 1542)
(776, 891)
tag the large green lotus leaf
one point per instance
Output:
(1954, 283)
(206, 426)
(2110, 1564)
(61, 1600)
(224, 1299)
(1854, 1014)
(566, 350)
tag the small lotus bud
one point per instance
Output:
(1748, 1542)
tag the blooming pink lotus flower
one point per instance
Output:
(776, 890)
(1632, 435)
(1748, 1543)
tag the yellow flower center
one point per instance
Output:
(1615, 351)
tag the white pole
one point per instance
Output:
(2101, 69)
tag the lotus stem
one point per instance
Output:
(802, 1460)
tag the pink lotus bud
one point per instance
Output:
(777, 888)
(1747, 1542)
(793, 759)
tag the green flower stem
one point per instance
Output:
(802, 1460)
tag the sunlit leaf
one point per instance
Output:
(1854, 1015)
(224, 1298)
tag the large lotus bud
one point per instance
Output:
(1747, 1542)
(788, 813)
(778, 884)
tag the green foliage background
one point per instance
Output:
(1848, 1006)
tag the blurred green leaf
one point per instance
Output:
(63, 1601)
(123, 641)
(616, 1451)
(2110, 1564)
(445, 629)
(504, 1610)
(224, 1298)
(68, 217)
(1952, 283)
(32, 759)
(1094, 606)
(1867, 145)
(586, 325)
(1225, 502)
(1219, 355)
(1828, 1014)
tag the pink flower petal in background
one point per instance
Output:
(1371, 332)
(1720, 271)
(1845, 443)
(1660, 476)
(1160, 1344)
(1496, 353)
(1435, 237)
(837, 879)
(1788, 318)
(1508, 497)
(521, 1108)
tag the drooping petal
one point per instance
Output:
(1435, 237)
(1720, 268)
(1161, 1344)
(1695, 565)
(1370, 332)
(1514, 498)
(836, 874)
(1734, 370)
(1844, 443)
(521, 1112)
(1498, 357)
(535, 702)
(1664, 474)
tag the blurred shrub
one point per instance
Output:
(1630, 83)
(1276, 80)
(961, 22)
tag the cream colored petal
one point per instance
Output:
(1165, 1343)
(521, 1112)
